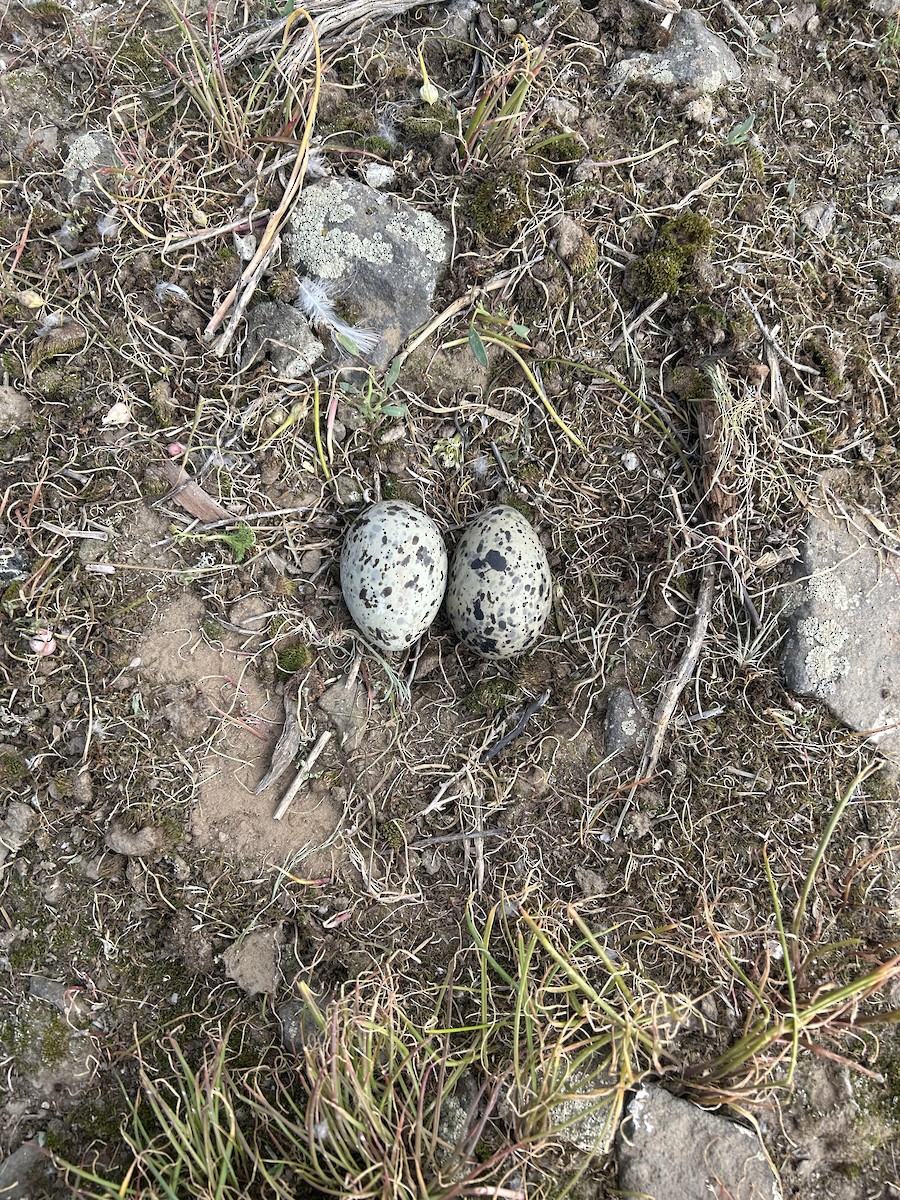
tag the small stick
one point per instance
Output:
(79, 260)
(302, 775)
(204, 235)
(770, 338)
(643, 316)
(455, 837)
(518, 728)
(675, 687)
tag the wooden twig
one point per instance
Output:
(679, 681)
(302, 775)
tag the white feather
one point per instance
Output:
(317, 298)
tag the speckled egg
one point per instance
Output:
(498, 593)
(393, 573)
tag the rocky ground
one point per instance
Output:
(283, 915)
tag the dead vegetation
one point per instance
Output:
(664, 340)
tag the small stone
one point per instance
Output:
(252, 961)
(376, 249)
(885, 8)
(819, 217)
(694, 58)
(508, 26)
(141, 843)
(27, 1173)
(15, 410)
(379, 175)
(670, 1148)
(843, 644)
(89, 167)
(625, 726)
(282, 334)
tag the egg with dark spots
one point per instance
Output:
(393, 573)
(498, 592)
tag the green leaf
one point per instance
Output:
(521, 330)
(394, 410)
(347, 343)
(393, 372)
(741, 131)
(477, 345)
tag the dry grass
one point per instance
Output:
(668, 451)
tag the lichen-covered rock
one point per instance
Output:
(282, 334)
(90, 165)
(843, 644)
(670, 1149)
(695, 58)
(383, 256)
(625, 725)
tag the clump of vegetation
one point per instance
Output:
(682, 243)
(500, 204)
(489, 696)
(56, 383)
(828, 361)
(291, 659)
(12, 769)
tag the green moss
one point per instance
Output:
(499, 205)
(690, 232)
(49, 13)
(211, 629)
(291, 659)
(562, 150)
(55, 1041)
(379, 146)
(392, 831)
(12, 769)
(429, 122)
(65, 340)
(489, 696)
(397, 489)
(656, 273)
(55, 383)
(826, 360)
(689, 383)
(511, 500)
(284, 285)
(681, 242)
(11, 365)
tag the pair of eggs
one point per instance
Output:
(394, 575)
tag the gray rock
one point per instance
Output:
(91, 160)
(140, 843)
(14, 564)
(32, 114)
(843, 644)
(625, 726)
(20, 823)
(24, 1172)
(252, 961)
(885, 8)
(15, 410)
(345, 704)
(669, 1149)
(282, 334)
(694, 58)
(381, 255)
(887, 198)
